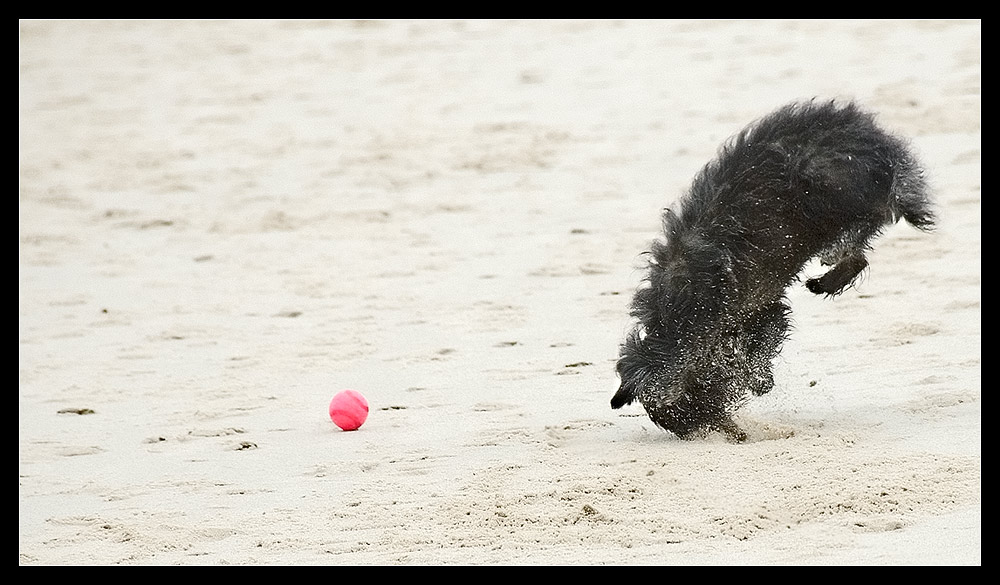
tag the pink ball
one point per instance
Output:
(348, 409)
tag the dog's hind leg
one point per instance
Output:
(840, 276)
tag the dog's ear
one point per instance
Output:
(625, 395)
(632, 368)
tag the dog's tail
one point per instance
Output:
(908, 197)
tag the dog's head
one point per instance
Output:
(678, 310)
(645, 363)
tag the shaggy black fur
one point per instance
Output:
(815, 179)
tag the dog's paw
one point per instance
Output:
(815, 286)
(731, 431)
(763, 385)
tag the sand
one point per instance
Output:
(222, 224)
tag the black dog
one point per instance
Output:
(809, 180)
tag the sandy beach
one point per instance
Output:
(223, 223)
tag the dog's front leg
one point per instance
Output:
(732, 431)
(838, 277)
(765, 333)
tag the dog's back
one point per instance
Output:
(805, 179)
